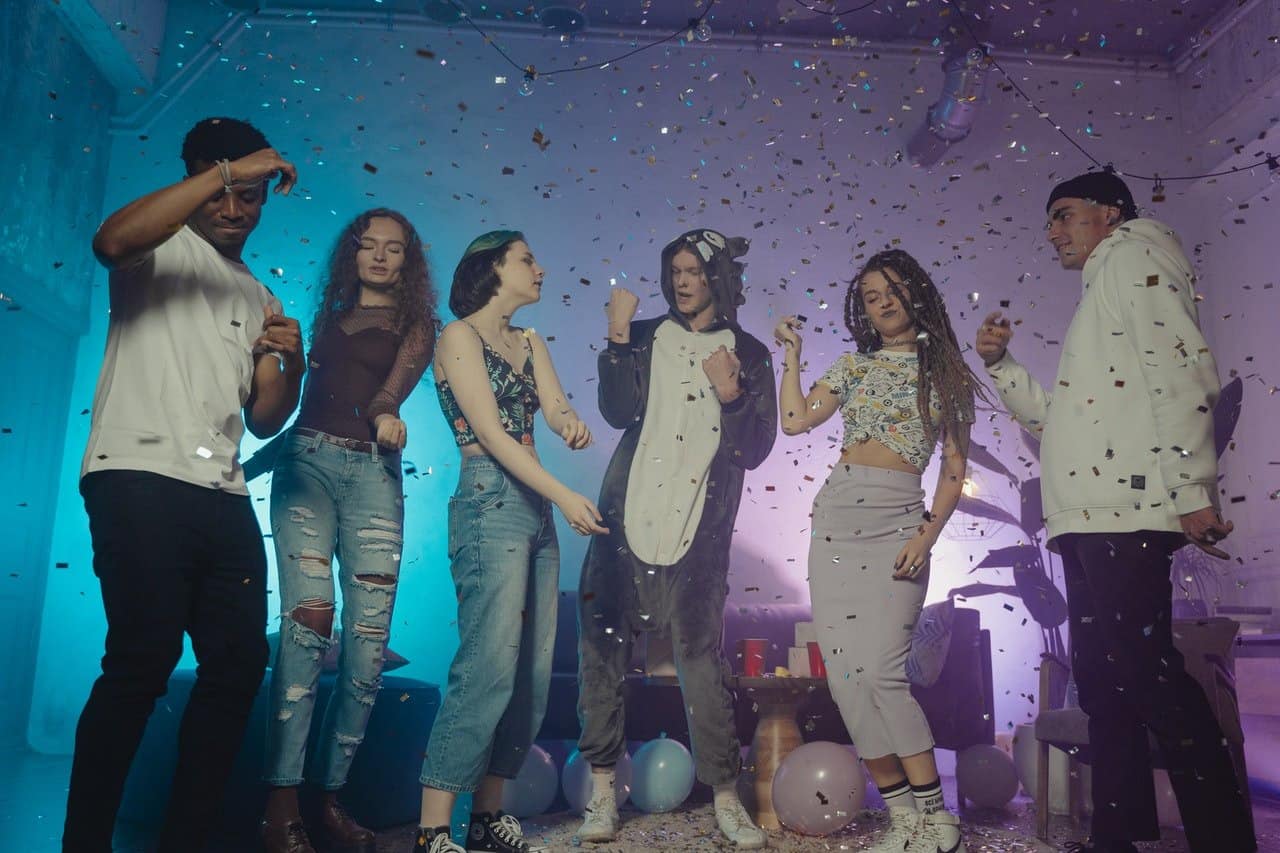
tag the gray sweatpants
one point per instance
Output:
(621, 595)
(862, 517)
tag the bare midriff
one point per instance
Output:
(475, 448)
(873, 454)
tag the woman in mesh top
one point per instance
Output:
(492, 378)
(906, 388)
(337, 489)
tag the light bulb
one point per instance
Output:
(1157, 191)
(526, 86)
(702, 32)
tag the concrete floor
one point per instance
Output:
(33, 793)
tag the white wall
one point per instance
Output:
(1241, 316)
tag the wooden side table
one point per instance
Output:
(775, 736)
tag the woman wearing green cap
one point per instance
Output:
(492, 378)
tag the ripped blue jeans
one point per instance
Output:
(327, 500)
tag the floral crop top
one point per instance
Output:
(515, 392)
(878, 400)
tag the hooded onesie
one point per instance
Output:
(669, 498)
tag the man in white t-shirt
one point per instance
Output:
(1129, 475)
(194, 341)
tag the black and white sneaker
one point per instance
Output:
(435, 840)
(938, 832)
(497, 833)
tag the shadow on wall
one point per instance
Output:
(755, 578)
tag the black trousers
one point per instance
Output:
(1133, 680)
(172, 558)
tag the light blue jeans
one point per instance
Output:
(326, 499)
(505, 562)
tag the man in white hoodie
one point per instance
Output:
(1128, 476)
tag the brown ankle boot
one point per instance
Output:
(339, 831)
(285, 838)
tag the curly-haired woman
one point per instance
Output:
(337, 490)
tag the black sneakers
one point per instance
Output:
(435, 840)
(496, 833)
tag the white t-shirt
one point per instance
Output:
(679, 439)
(178, 366)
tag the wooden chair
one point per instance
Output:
(1207, 645)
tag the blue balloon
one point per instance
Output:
(661, 775)
(534, 787)
(576, 781)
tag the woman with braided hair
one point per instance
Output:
(905, 389)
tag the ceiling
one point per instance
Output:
(1150, 31)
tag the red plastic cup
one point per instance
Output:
(752, 653)
(817, 669)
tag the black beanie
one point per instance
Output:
(1100, 187)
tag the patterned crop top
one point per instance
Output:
(878, 401)
(515, 392)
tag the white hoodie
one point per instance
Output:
(1127, 433)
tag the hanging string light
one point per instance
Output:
(1267, 160)
(697, 29)
(526, 84)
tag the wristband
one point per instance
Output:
(224, 169)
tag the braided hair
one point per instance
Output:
(941, 364)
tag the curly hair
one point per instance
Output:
(941, 364)
(475, 280)
(415, 292)
(218, 138)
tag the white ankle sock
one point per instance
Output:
(602, 781)
(726, 795)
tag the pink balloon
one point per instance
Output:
(818, 788)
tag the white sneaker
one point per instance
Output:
(904, 825)
(939, 833)
(738, 827)
(600, 820)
